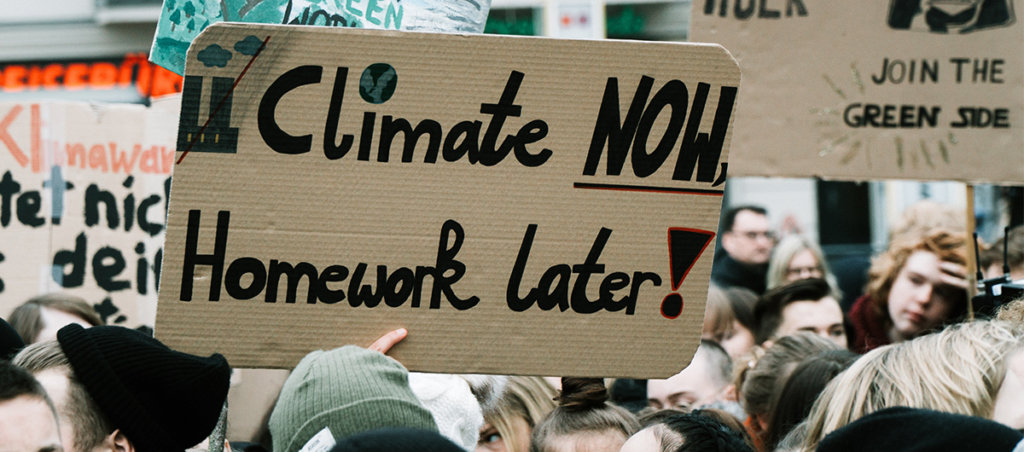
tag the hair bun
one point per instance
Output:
(582, 393)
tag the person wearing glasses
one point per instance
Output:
(797, 257)
(747, 240)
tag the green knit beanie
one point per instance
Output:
(348, 390)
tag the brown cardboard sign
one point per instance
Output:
(898, 89)
(521, 205)
(83, 197)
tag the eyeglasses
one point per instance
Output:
(754, 235)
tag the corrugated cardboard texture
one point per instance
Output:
(400, 217)
(875, 90)
(84, 196)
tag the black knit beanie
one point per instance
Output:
(10, 341)
(918, 430)
(161, 399)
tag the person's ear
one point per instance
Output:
(117, 442)
(726, 239)
(729, 393)
(760, 423)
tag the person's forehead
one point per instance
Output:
(748, 219)
(26, 423)
(800, 309)
(921, 261)
(588, 440)
(687, 380)
(804, 256)
(51, 315)
(55, 382)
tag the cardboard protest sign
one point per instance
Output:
(83, 197)
(521, 205)
(903, 89)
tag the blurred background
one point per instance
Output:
(96, 50)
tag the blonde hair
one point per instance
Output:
(958, 370)
(924, 216)
(789, 246)
(1012, 312)
(27, 319)
(530, 398)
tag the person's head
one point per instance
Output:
(583, 420)
(763, 383)
(689, 432)
(992, 257)
(83, 426)
(703, 382)
(39, 318)
(729, 319)
(804, 305)
(346, 390)
(801, 390)
(507, 427)
(747, 234)
(906, 284)
(958, 370)
(118, 389)
(797, 257)
(28, 422)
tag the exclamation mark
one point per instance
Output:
(684, 248)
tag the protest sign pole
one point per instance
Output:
(972, 267)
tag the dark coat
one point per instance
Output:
(728, 272)
(869, 329)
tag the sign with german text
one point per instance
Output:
(130, 78)
(898, 89)
(521, 205)
(83, 197)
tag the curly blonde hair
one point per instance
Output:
(1012, 312)
(923, 216)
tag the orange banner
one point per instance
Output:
(133, 70)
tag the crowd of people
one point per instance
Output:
(789, 361)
